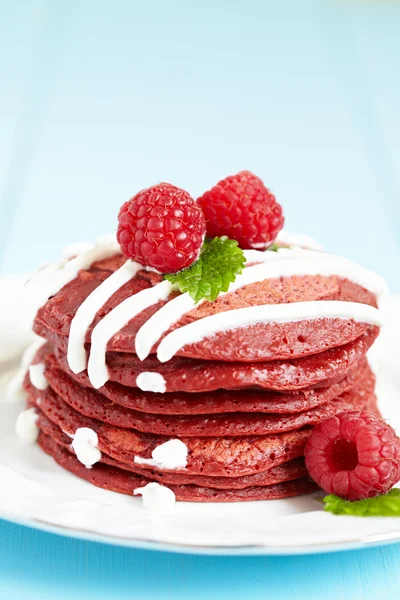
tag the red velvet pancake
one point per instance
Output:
(225, 457)
(219, 401)
(214, 456)
(96, 406)
(294, 469)
(261, 342)
(117, 480)
(188, 375)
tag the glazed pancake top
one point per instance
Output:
(284, 307)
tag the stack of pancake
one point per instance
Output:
(243, 400)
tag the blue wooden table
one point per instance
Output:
(36, 565)
(99, 99)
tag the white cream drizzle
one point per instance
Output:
(114, 322)
(37, 376)
(26, 428)
(170, 455)
(156, 497)
(89, 308)
(52, 278)
(297, 239)
(284, 263)
(149, 381)
(85, 445)
(266, 313)
(15, 386)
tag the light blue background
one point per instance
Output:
(100, 98)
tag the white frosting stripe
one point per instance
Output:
(89, 308)
(160, 322)
(116, 320)
(266, 313)
(297, 239)
(52, 278)
(290, 262)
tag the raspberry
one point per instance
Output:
(242, 208)
(354, 455)
(161, 227)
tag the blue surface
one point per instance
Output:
(99, 99)
(40, 565)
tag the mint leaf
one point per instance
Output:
(220, 261)
(387, 505)
(273, 247)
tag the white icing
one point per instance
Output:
(26, 427)
(87, 311)
(37, 376)
(114, 322)
(15, 386)
(272, 265)
(297, 239)
(290, 262)
(151, 382)
(156, 497)
(85, 445)
(160, 322)
(266, 313)
(74, 249)
(170, 455)
(49, 280)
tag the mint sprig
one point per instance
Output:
(220, 261)
(387, 505)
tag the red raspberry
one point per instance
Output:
(161, 227)
(242, 208)
(354, 455)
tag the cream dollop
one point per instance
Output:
(156, 497)
(37, 376)
(151, 382)
(170, 455)
(85, 445)
(15, 386)
(26, 427)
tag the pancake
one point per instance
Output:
(260, 342)
(188, 375)
(221, 456)
(219, 401)
(288, 471)
(117, 480)
(213, 456)
(244, 399)
(96, 406)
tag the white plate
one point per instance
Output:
(37, 492)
